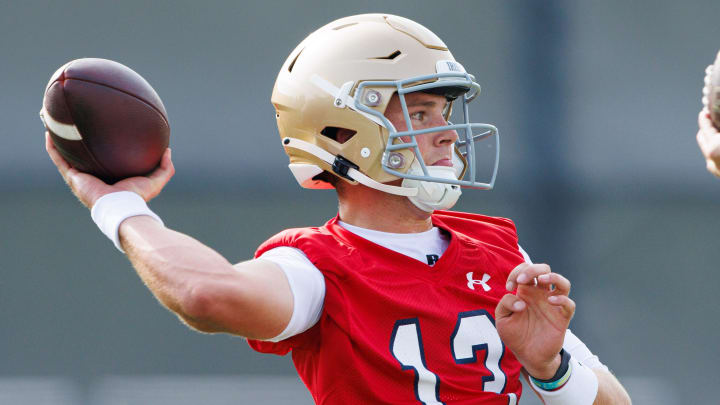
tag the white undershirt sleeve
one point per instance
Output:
(307, 285)
(525, 255)
(580, 351)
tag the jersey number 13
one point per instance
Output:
(474, 330)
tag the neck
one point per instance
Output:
(372, 209)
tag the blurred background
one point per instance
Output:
(597, 106)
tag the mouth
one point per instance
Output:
(443, 162)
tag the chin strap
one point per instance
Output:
(347, 170)
(426, 195)
(431, 195)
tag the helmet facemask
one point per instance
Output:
(438, 186)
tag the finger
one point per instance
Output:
(713, 167)
(704, 119)
(555, 282)
(165, 171)
(708, 139)
(166, 160)
(707, 129)
(55, 156)
(158, 178)
(565, 303)
(508, 305)
(710, 147)
(511, 280)
(709, 144)
(525, 274)
(67, 172)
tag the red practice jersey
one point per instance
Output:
(394, 330)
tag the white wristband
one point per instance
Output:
(112, 209)
(580, 389)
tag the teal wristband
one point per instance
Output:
(560, 377)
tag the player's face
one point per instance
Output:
(426, 111)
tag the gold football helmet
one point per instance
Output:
(341, 78)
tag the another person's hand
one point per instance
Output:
(88, 188)
(533, 322)
(708, 138)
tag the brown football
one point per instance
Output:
(105, 119)
(711, 91)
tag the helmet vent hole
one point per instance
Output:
(292, 64)
(339, 135)
(390, 57)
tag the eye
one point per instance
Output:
(418, 116)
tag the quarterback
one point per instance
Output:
(395, 300)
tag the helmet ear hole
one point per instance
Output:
(328, 178)
(339, 135)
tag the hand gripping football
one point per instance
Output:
(711, 91)
(105, 119)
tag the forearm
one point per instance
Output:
(610, 391)
(251, 299)
(172, 265)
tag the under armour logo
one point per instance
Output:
(432, 259)
(471, 283)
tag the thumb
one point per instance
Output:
(87, 188)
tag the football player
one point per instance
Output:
(395, 300)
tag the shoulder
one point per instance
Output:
(465, 220)
(313, 241)
(481, 230)
(289, 237)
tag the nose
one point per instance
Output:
(448, 136)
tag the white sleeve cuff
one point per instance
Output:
(112, 209)
(581, 352)
(580, 389)
(307, 285)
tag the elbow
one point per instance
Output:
(199, 308)
(622, 399)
